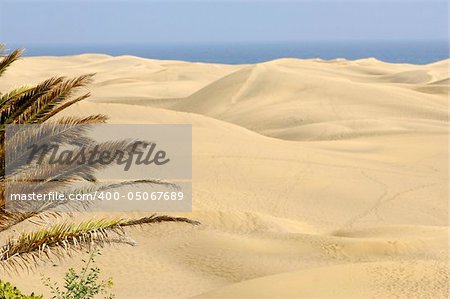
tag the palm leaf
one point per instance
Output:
(9, 219)
(68, 129)
(13, 93)
(43, 107)
(28, 248)
(9, 59)
(15, 105)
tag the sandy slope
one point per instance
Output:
(311, 178)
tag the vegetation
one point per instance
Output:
(38, 105)
(8, 291)
(83, 285)
(60, 238)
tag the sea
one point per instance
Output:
(414, 52)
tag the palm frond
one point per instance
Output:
(14, 106)
(157, 219)
(66, 130)
(55, 110)
(9, 59)
(74, 171)
(42, 209)
(39, 111)
(28, 248)
(13, 93)
(35, 105)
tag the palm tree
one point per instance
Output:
(37, 105)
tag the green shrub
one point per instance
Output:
(8, 291)
(83, 285)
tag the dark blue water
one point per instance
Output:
(238, 53)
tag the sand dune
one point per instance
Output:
(362, 280)
(312, 178)
(301, 101)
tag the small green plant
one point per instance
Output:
(83, 285)
(8, 291)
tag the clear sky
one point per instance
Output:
(101, 21)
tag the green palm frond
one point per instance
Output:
(15, 105)
(50, 103)
(9, 59)
(28, 248)
(39, 103)
(13, 93)
(55, 109)
(157, 219)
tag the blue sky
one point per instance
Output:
(101, 21)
